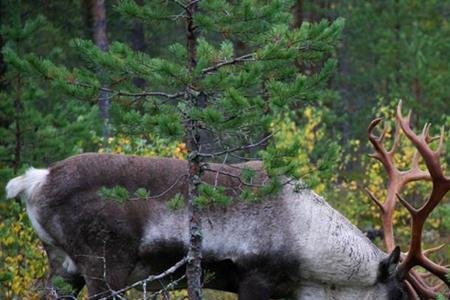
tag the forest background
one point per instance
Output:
(388, 50)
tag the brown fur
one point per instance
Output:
(251, 248)
(86, 226)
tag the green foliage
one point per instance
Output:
(61, 286)
(247, 175)
(58, 83)
(142, 193)
(177, 202)
(38, 125)
(153, 12)
(117, 194)
(443, 213)
(209, 194)
(22, 259)
(244, 98)
(441, 297)
(272, 187)
(249, 195)
(350, 198)
(394, 49)
(255, 75)
(302, 153)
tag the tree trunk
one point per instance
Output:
(97, 19)
(298, 13)
(194, 269)
(138, 42)
(18, 107)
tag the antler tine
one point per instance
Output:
(412, 294)
(432, 250)
(374, 199)
(383, 134)
(375, 140)
(430, 157)
(416, 285)
(420, 286)
(426, 132)
(439, 287)
(441, 185)
(396, 178)
(381, 154)
(428, 137)
(394, 184)
(412, 210)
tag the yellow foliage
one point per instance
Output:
(305, 138)
(23, 263)
(154, 146)
(365, 214)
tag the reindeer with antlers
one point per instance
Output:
(416, 286)
(292, 246)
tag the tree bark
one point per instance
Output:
(298, 13)
(97, 19)
(194, 269)
(138, 42)
(18, 107)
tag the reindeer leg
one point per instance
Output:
(107, 271)
(60, 275)
(102, 284)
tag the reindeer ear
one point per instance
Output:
(389, 265)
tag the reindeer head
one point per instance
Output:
(414, 282)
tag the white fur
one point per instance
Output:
(330, 248)
(29, 183)
(231, 237)
(34, 218)
(315, 291)
(70, 265)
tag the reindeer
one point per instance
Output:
(292, 245)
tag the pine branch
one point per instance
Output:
(163, 192)
(239, 148)
(128, 94)
(233, 176)
(237, 60)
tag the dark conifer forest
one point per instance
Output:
(293, 83)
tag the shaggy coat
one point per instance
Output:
(293, 245)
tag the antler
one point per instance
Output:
(416, 285)
(441, 185)
(396, 179)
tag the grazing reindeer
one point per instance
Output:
(293, 245)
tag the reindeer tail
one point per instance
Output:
(27, 184)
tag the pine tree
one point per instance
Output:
(395, 49)
(97, 15)
(36, 128)
(225, 104)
